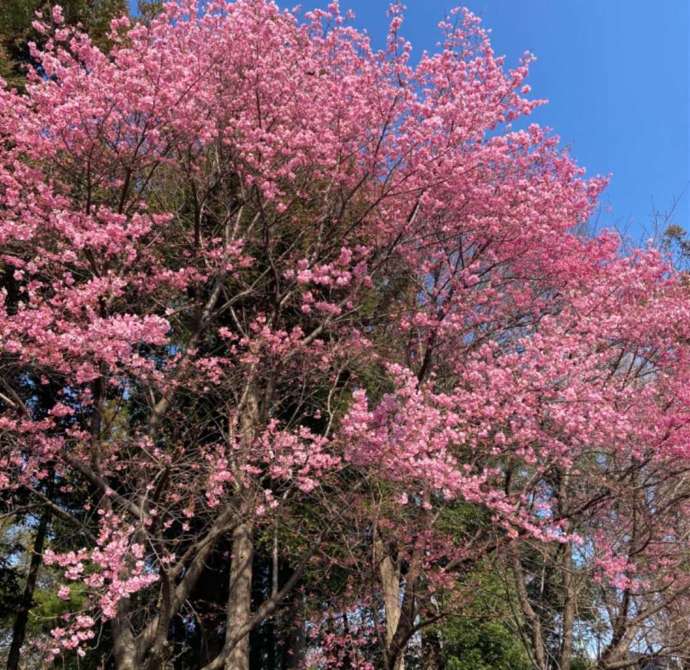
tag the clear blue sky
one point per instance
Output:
(616, 73)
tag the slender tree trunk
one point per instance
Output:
(295, 650)
(389, 574)
(622, 631)
(432, 658)
(239, 610)
(569, 602)
(22, 618)
(294, 635)
(240, 598)
(290, 634)
(569, 596)
(537, 637)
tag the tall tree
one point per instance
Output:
(300, 299)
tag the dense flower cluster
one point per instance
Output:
(272, 280)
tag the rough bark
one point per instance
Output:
(240, 598)
(239, 609)
(389, 573)
(124, 647)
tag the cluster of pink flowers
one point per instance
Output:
(260, 261)
(115, 569)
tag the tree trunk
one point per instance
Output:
(293, 658)
(569, 595)
(22, 618)
(124, 649)
(432, 658)
(534, 623)
(240, 598)
(239, 610)
(568, 611)
(390, 585)
(293, 634)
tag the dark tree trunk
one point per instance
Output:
(22, 618)
(432, 658)
(295, 642)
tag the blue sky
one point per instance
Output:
(616, 73)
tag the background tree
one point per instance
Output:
(16, 30)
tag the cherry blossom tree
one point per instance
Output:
(291, 292)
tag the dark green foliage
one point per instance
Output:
(469, 645)
(16, 31)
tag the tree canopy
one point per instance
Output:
(306, 362)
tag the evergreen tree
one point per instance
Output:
(17, 32)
